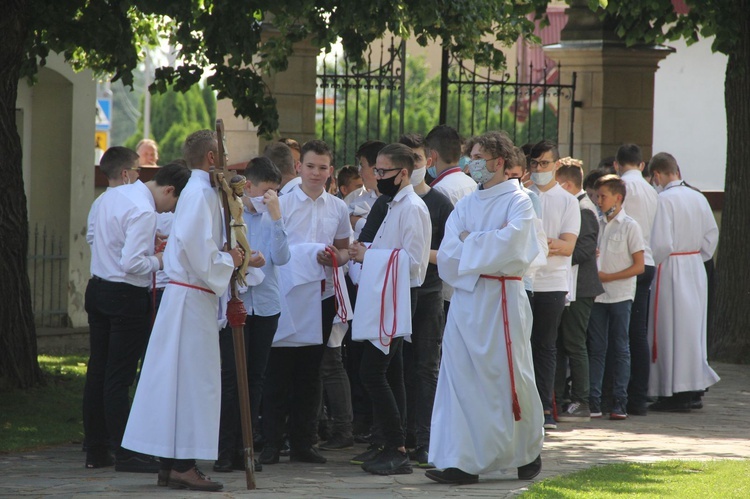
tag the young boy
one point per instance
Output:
(267, 237)
(406, 227)
(311, 215)
(478, 423)
(621, 249)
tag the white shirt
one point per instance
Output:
(640, 203)
(315, 221)
(407, 226)
(92, 217)
(618, 240)
(290, 185)
(561, 214)
(125, 227)
(454, 183)
(360, 206)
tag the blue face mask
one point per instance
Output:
(432, 171)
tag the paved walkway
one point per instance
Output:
(718, 431)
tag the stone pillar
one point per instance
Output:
(614, 87)
(294, 91)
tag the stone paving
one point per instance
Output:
(718, 431)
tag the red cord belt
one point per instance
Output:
(655, 349)
(391, 270)
(337, 291)
(191, 286)
(508, 343)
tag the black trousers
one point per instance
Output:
(547, 311)
(293, 387)
(259, 332)
(640, 361)
(383, 377)
(119, 324)
(422, 364)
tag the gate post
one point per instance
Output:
(294, 91)
(615, 86)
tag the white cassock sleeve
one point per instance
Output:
(508, 250)
(710, 234)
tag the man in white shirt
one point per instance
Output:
(311, 215)
(561, 220)
(117, 173)
(444, 149)
(407, 227)
(175, 413)
(487, 413)
(640, 203)
(684, 235)
(117, 303)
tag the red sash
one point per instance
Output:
(337, 291)
(192, 286)
(391, 271)
(655, 349)
(508, 347)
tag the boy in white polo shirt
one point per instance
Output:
(621, 259)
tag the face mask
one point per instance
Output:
(127, 179)
(610, 212)
(388, 186)
(258, 204)
(417, 176)
(432, 171)
(479, 172)
(542, 178)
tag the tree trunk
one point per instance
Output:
(730, 340)
(18, 355)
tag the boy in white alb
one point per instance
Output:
(487, 414)
(311, 215)
(621, 250)
(406, 227)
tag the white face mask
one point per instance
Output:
(542, 178)
(258, 204)
(127, 179)
(417, 176)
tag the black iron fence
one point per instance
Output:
(47, 277)
(393, 94)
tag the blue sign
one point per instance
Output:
(103, 114)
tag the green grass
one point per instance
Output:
(48, 414)
(683, 479)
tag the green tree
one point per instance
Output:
(227, 37)
(655, 21)
(174, 115)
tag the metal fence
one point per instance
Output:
(358, 104)
(47, 277)
(355, 105)
(525, 104)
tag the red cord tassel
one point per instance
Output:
(337, 291)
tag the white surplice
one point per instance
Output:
(684, 224)
(473, 426)
(175, 412)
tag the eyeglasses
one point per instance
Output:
(380, 172)
(135, 169)
(541, 164)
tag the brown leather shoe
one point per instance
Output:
(193, 479)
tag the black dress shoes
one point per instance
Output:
(451, 476)
(389, 462)
(670, 404)
(307, 455)
(270, 455)
(531, 470)
(134, 462)
(98, 458)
